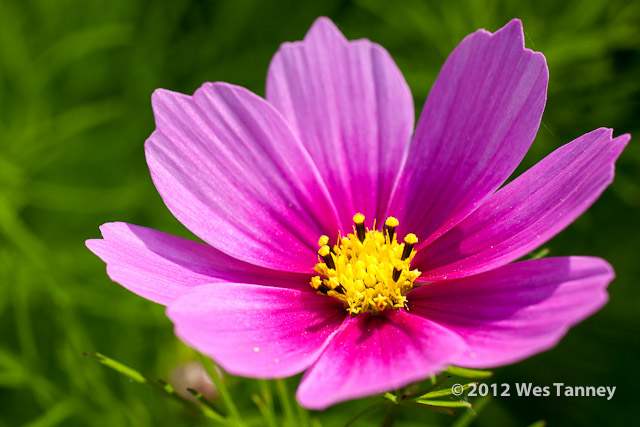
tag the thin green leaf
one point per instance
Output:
(468, 373)
(432, 408)
(119, 367)
(445, 403)
(539, 253)
(445, 392)
(160, 385)
(426, 390)
(391, 397)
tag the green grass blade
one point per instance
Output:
(444, 392)
(163, 386)
(221, 387)
(119, 367)
(468, 373)
(445, 403)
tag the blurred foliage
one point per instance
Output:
(75, 83)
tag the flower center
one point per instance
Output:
(368, 270)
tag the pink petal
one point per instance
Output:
(515, 311)
(479, 120)
(256, 331)
(162, 267)
(230, 169)
(352, 109)
(374, 354)
(528, 211)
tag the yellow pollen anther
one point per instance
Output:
(390, 227)
(324, 251)
(360, 230)
(368, 270)
(392, 222)
(323, 241)
(411, 239)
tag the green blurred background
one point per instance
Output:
(75, 85)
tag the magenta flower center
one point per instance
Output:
(368, 270)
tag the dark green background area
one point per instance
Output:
(75, 85)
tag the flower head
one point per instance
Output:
(341, 242)
(367, 270)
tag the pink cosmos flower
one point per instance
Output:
(266, 183)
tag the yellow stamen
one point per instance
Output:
(391, 222)
(390, 226)
(411, 239)
(368, 270)
(360, 231)
(325, 254)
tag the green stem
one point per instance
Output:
(426, 390)
(390, 397)
(264, 410)
(365, 411)
(265, 390)
(283, 394)
(303, 414)
(222, 389)
(207, 408)
(469, 415)
(162, 386)
(390, 417)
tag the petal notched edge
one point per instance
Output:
(480, 119)
(528, 211)
(352, 109)
(226, 164)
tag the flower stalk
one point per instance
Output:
(209, 365)
(205, 408)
